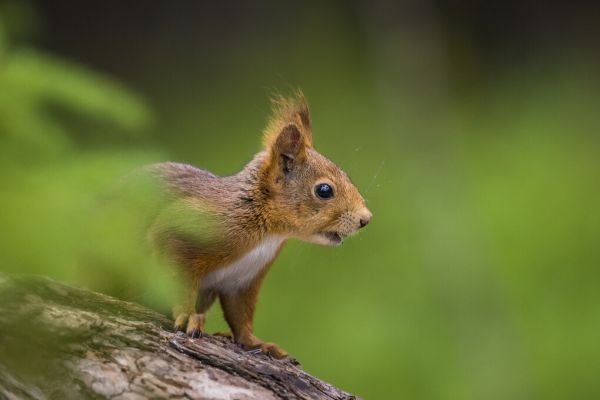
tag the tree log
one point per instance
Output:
(59, 342)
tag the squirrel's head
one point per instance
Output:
(311, 197)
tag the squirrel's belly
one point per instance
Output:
(242, 271)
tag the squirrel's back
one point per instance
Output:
(182, 179)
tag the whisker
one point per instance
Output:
(375, 177)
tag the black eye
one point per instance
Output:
(324, 191)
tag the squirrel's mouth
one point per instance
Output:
(333, 237)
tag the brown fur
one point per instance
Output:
(209, 222)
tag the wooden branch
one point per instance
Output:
(61, 342)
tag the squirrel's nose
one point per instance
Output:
(365, 217)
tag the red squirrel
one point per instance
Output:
(287, 191)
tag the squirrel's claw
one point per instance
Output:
(195, 325)
(195, 333)
(265, 347)
(273, 350)
(277, 353)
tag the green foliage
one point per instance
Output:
(52, 188)
(33, 84)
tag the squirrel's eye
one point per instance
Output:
(324, 191)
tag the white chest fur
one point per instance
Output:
(240, 273)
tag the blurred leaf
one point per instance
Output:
(37, 78)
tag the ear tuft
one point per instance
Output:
(289, 111)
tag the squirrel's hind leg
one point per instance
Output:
(238, 308)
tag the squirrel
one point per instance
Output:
(224, 233)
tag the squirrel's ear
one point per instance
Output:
(289, 147)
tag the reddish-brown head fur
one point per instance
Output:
(295, 175)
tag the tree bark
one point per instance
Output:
(59, 342)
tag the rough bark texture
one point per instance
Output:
(65, 343)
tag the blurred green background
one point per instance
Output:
(470, 127)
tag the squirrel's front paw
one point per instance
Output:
(180, 322)
(195, 325)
